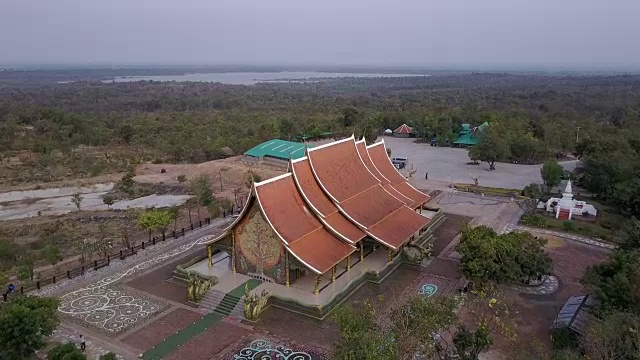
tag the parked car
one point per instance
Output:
(399, 162)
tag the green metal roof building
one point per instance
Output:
(279, 149)
(469, 136)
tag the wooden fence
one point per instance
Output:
(95, 265)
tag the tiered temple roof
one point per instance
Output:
(341, 172)
(333, 198)
(300, 230)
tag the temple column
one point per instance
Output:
(348, 262)
(389, 255)
(209, 255)
(316, 290)
(361, 250)
(333, 274)
(286, 267)
(420, 209)
(233, 251)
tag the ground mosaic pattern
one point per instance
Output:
(109, 311)
(269, 348)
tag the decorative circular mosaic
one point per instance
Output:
(107, 309)
(113, 310)
(428, 290)
(263, 349)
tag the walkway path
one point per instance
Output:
(515, 227)
(99, 304)
(549, 286)
(181, 337)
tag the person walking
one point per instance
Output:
(83, 344)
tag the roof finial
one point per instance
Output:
(568, 189)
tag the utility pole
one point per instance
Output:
(220, 173)
(577, 133)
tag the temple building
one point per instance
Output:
(338, 204)
(566, 207)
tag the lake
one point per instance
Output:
(251, 78)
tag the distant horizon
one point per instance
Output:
(554, 67)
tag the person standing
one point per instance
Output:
(83, 344)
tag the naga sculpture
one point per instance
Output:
(197, 287)
(254, 304)
(414, 253)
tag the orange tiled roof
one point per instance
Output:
(395, 229)
(378, 154)
(343, 174)
(301, 231)
(318, 200)
(404, 129)
(386, 184)
(339, 170)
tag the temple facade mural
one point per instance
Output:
(259, 252)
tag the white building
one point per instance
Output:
(566, 207)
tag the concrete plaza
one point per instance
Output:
(446, 165)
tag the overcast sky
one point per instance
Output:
(367, 32)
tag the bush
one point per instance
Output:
(66, 351)
(568, 225)
(563, 338)
(108, 356)
(536, 220)
(532, 191)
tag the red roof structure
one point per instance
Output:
(341, 172)
(324, 208)
(302, 233)
(404, 129)
(380, 158)
(332, 198)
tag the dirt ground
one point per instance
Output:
(230, 174)
(36, 233)
(535, 313)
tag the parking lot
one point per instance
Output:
(446, 165)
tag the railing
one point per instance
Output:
(95, 265)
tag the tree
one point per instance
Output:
(174, 212)
(406, 331)
(108, 356)
(532, 191)
(108, 200)
(201, 188)
(52, 255)
(469, 344)
(25, 323)
(67, 351)
(181, 178)
(154, 219)
(126, 183)
(489, 257)
(84, 247)
(250, 177)
(616, 282)
(76, 199)
(616, 335)
(491, 147)
(360, 335)
(632, 238)
(162, 220)
(146, 222)
(8, 253)
(551, 173)
(4, 279)
(26, 265)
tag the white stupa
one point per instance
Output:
(566, 207)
